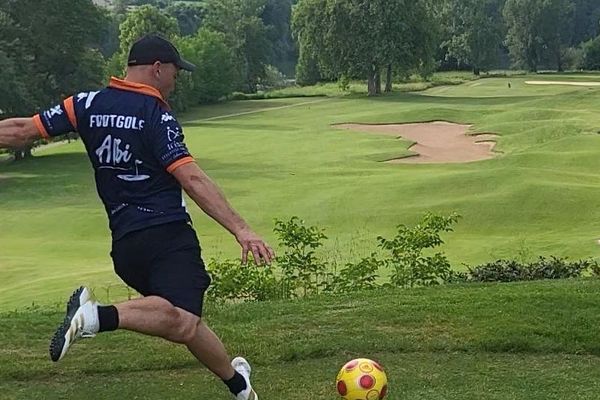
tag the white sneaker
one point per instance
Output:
(243, 368)
(81, 321)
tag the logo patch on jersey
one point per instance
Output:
(89, 96)
(134, 178)
(110, 151)
(55, 111)
(173, 134)
(166, 117)
(116, 121)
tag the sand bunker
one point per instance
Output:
(435, 142)
(562, 83)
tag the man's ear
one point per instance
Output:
(156, 69)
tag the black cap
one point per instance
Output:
(152, 48)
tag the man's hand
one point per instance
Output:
(251, 242)
(210, 199)
(17, 132)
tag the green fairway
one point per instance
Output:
(506, 341)
(538, 197)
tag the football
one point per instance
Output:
(362, 379)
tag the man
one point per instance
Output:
(141, 163)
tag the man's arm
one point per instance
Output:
(18, 132)
(212, 201)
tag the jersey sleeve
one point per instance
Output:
(57, 120)
(167, 141)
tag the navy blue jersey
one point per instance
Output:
(134, 143)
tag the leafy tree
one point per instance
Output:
(591, 54)
(277, 18)
(56, 46)
(537, 29)
(17, 96)
(47, 61)
(246, 35)
(586, 15)
(144, 20)
(215, 76)
(189, 16)
(357, 38)
(307, 70)
(472, 32)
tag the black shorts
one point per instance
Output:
(165, 261)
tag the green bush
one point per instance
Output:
(543, 268)
(410, 266)
(273, 79)
(233, 281)
(595, 270)
(300, 267)
(497, 271)
(344, 83)
(360, 276)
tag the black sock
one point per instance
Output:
(236, 384)
(108, 318)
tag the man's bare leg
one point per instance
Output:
(154, 316)
(157, 317)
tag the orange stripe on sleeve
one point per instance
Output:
(70, 108)
(179, 163)
(40, 127)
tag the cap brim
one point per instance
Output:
(186, 65)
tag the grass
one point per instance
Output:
(281, 157)
(505, 341)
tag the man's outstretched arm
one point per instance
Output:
(18, 132)
(212, 201)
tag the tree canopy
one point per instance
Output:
(355, 38)
(240, 45)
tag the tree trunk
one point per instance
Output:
(388, 82)
(371, 85)
(21, 154)
(559, 62)
(378, 81)
(476, 71)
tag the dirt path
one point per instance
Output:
(435, 142)
(262, 110)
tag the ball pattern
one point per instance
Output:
(362, 379)
(366, 381)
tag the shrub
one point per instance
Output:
(557, 268)
(273, 79)
(410, 266)
(344, 83)
(359, 276)
(595, 269)
(543, 268)
(497, 271)
(300, 267)
(233, 281)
